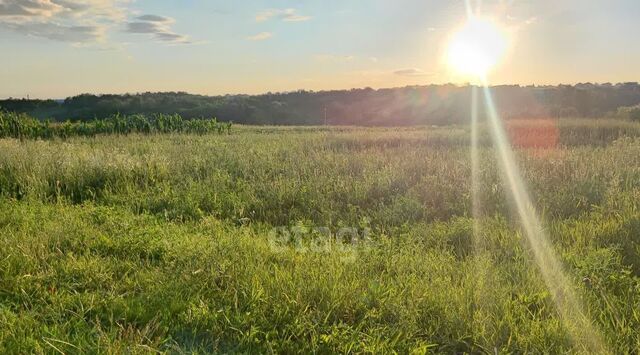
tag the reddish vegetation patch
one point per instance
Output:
(534, 133)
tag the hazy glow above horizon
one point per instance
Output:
(54, 49)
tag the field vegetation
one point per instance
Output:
(142, 243)
(20, 125)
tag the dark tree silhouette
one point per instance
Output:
(432, 104)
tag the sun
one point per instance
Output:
(476, 47)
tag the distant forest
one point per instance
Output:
(432, 104)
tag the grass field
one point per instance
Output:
(165, 242)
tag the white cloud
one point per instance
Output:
(83, 23)
(58, 32)
(38, 10)
(288, 15)
(260, 36)
(20, 10)
(110, 10)
(60, 20)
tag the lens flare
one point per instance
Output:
(473, 51)
(560, 286)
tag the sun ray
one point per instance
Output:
(582, 330)
(473, 51)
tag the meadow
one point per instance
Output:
(145, 243)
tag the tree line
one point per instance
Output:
(431, 104)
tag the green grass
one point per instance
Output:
(145, 243)
(22, 126)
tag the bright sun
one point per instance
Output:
(476, 48)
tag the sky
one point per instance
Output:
(60, 48)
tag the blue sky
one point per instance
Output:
(57, 48)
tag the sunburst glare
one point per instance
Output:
(476, 47)
(473, 51)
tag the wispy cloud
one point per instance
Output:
(155, 18)
(288, 15)
(410, 72)
(84, 23)
(22, 10)
(58, 32)
(157, 26)
(260, 36)
(61, 20)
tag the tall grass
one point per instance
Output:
(19, 125)
(142, 243)
(328, 178)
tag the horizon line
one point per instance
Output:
(459, 85)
